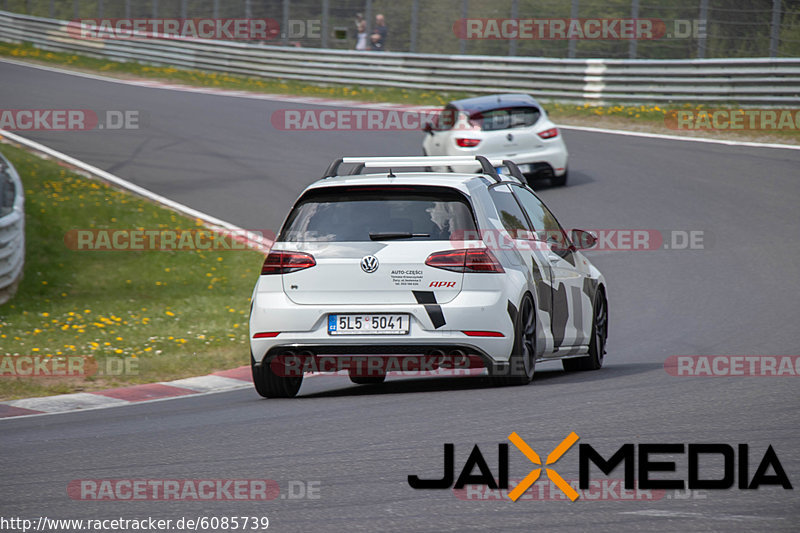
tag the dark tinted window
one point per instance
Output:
(510, 213)
(542, 219)
(504, 119)
(350, 214)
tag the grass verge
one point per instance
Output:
(175, 313)
(649, 118)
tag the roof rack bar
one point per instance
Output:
(357, 169)
(333, 169)
(411, 161)
(515, 171)
(488, 168)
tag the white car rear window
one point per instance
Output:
(351, 214)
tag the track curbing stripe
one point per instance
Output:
(135, 394)
(65, 402)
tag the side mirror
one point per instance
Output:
(582, 240)
(428, 128)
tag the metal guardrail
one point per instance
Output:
(12, 230)
(757, 81)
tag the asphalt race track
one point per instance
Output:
(738, 295)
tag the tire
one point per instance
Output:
(559, 181)
(367, 380)
(597, 346)
(522, 362)
(270, 385)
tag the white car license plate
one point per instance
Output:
(354, 324)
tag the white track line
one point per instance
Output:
(331, 102)
(680, 137)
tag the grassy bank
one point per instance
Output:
(176, 313)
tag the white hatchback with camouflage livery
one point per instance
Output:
(421, 264)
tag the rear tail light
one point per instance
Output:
(474, 260)
(467, 143)
(450, 260)
(482, 260)
(549, 134)
(280, 262)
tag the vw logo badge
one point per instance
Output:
(369, 264)
(510, 137)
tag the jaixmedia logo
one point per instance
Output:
(724, 466)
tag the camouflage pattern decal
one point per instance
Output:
(434, 310)
(512, 312)
(577, 312)
(542, 288)
(589, 288)
(559, 314)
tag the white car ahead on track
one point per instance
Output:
(504, 126)
(407, 264)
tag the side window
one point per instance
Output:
(541, 217)
(510, 213)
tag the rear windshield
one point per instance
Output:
(504, 119)
(351, 214)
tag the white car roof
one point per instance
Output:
(440, 179)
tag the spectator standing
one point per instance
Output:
(361, 33)
(378, 37)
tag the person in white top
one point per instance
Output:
(361, 33)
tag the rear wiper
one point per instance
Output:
(390, 235)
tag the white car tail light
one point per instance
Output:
(467, 143)
(549, 134)
(470, 260)
(280, 262)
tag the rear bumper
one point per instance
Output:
(304, 327)
(553, 154)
